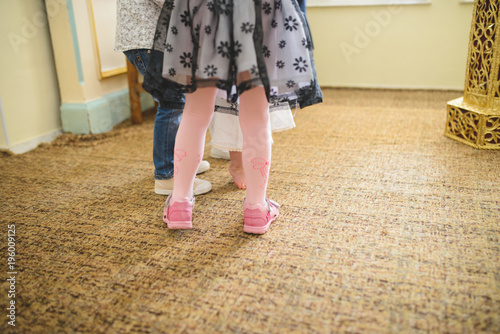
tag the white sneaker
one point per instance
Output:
(204, 166)
(217, 153)
(165, 187)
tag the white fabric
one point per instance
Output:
(225, 130)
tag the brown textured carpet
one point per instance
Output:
(386, 226)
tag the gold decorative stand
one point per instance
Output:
(474, 119)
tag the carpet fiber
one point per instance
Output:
(386, 226)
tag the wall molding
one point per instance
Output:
(74, 35)
(94, 117)
(33, 143)
(100, 115)
(392, 87)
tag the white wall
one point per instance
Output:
(29, 90)
(405, 46)
(411, 46)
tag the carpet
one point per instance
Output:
(386, 226)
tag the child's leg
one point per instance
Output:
(255, 126)
(236, 169)
(190, 140)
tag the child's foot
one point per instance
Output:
(258, 217)
(238, 176)
(179, 214)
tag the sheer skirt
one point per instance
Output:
(235, 45)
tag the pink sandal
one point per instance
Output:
(258, 217)
(179, 215)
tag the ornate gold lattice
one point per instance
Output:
(470, 126)
(474, 119)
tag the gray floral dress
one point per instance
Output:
(235, 45)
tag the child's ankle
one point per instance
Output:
(254, 205)
(181, 199)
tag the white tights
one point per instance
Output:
(190, 142)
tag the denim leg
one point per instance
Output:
(167, 122)
(302, 4)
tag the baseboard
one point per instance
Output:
(100, 115)
(33, 143)
(393, 87)
(96, 116)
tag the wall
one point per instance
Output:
(29, 90)
(89, 104)
(92, 87)
(406, 46)
(411, 46)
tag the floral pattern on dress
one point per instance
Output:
(235, 45)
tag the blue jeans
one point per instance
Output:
(302, 4)
(167, 122)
